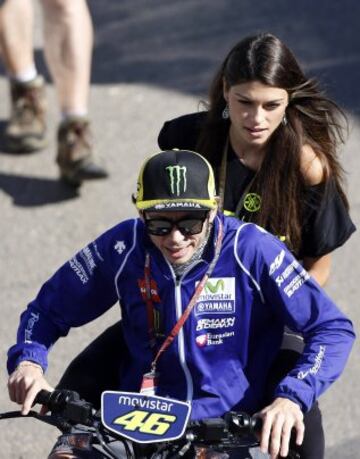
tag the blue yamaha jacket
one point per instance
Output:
(222, 355)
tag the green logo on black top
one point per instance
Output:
(177, 175)
(252, 202)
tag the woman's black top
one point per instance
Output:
(326, 224)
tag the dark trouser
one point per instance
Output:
(93, 371)
(98, 366)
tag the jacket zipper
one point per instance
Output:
(181, 340)
(181, 345)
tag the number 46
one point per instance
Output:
(150, 423)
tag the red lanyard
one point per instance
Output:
(179, 324)
(149, 303)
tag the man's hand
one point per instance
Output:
(279, 419)
(24, 384)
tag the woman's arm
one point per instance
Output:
(319, 268)
(313, 171)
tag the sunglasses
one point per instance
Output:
(188, 226)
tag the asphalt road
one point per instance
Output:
(153, 61)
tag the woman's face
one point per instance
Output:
(256, 110)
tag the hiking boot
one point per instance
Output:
(75, 157)
(26, 128)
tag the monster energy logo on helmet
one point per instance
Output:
(176, 180)
(177, 176)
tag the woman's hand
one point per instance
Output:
(279, 419)
(24, 384)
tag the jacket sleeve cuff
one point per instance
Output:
(297, 392)
(32, 352)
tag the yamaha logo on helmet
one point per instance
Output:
(177, 205)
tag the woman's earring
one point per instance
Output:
(284, 121)
(226, 113)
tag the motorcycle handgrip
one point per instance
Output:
(240, 422)
(57, 399)
(68, 404)
(42, 397)
(256, 423)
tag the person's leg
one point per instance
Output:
(68, 41)
(26, 128)
(98, 366)
(16, 36)
(313, 446)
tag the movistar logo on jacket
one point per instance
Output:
(218, 297)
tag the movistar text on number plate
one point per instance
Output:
(143, 418)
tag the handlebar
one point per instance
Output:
(235, 429)
(74, 410)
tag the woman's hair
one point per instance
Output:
(313, 119)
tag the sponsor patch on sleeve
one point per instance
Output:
(317, 364)
(85, 262)
(275, 265)
(291, 277)
(296, 283)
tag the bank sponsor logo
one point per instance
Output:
(213, 339)
(317, 365)
(286, 273)
(275, 265)
(30, 326)
(217, 297)
(209, 324)
(296, 283)
(120, 247)
(201, 340)
(79, 270)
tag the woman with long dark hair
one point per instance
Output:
(273, 138)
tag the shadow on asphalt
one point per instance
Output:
(35, 191)
(28, 191)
